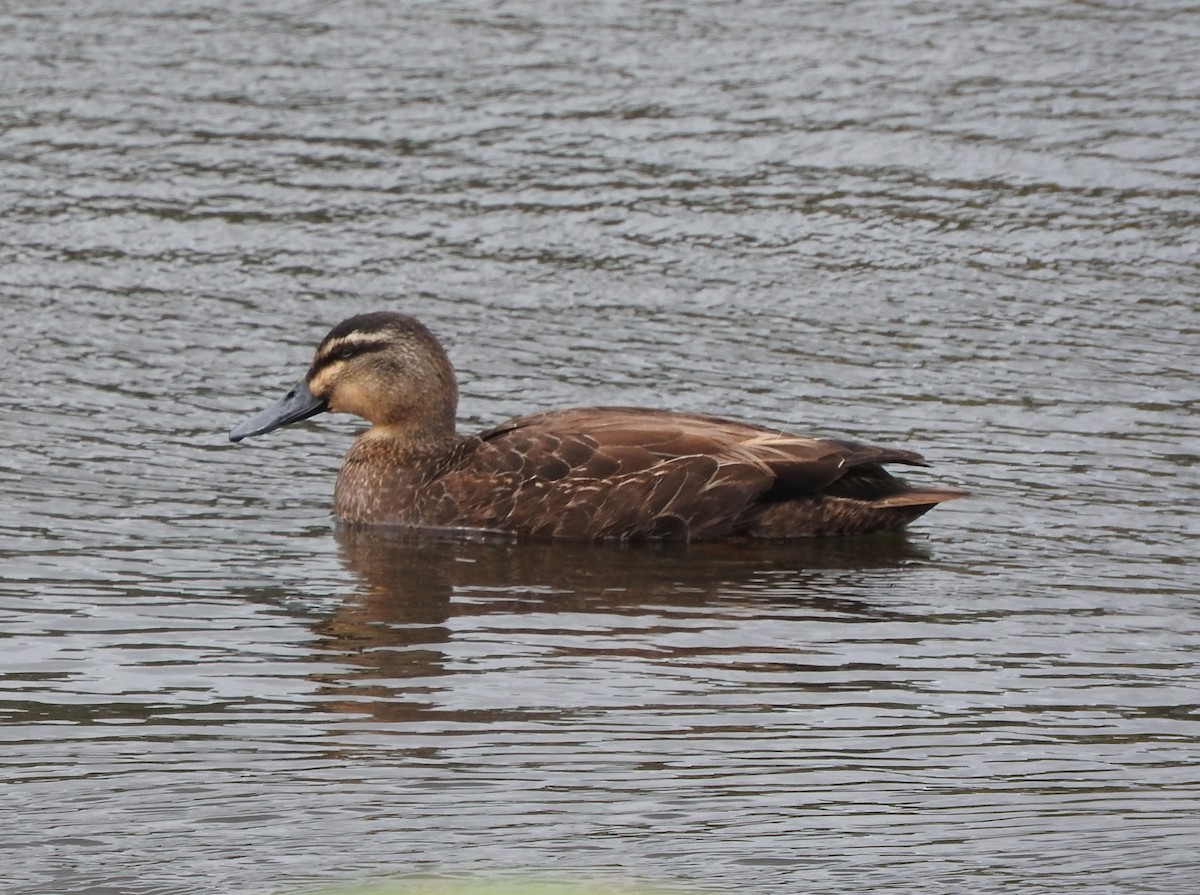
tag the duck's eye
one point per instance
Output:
(345, 352)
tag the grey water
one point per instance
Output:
(965, 229)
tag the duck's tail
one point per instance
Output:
(825, 515)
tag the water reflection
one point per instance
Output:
(417, 590)
(410, 579)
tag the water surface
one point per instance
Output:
(962, 230)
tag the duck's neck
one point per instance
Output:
(386, 472)
(415, 420)
(408, 438)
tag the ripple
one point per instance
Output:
(963, 230)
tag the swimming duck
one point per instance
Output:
(588, 474)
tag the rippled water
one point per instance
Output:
(967, 230)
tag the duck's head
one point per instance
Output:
(385, 367)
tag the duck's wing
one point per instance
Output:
(602, 441)
(601, 474)
(627, 473)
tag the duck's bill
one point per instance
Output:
(298, 404)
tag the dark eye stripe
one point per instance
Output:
(344, 351)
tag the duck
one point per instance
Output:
(590, 474)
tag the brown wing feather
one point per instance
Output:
(627, 473)
(620, 493)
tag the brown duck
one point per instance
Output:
(590, 474)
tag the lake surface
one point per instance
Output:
(965, 230)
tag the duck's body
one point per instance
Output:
(588, 474)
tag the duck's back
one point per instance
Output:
(629, 474)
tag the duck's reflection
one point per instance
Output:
(417, 591)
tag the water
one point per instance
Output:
(966, 230)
